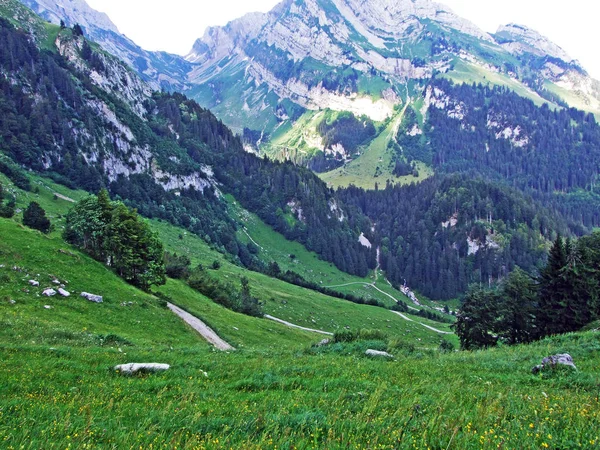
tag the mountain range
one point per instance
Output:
(275, 77)
(462, 161)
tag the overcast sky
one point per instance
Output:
(175, 25)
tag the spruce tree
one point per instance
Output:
(35, 217)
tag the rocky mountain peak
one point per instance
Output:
(519, 39)
(395, 17)
(72, 12)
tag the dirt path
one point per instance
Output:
(291, 325)
(422, 324)
(201, 328)
(64, 197)
(371, 285)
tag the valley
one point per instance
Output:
(338, 224)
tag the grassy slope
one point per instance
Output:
(465, 72)
(58, 391)
(362, 171)
(297, 305)
(294, 304)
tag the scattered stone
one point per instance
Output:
(17, 269)
(552, 361)
(47, 307)
(127, 304)
(64, 293)
(324, 342)
(92, 297)
(34, 283)
(49, 293)
(12, 302)
(2, 266)
(133, 368)
(56, 282)
(378, 353)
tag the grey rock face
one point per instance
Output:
(49, 293)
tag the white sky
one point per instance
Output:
(175, 25)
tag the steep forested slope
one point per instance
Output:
(82, 117)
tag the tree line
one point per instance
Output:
(564, 297)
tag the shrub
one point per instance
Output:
(378, 335)
(35, 217)
(446, 346)
(345, 336)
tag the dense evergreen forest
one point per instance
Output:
(48, 124)
(563, 298)
(450, 231)
(552, 154)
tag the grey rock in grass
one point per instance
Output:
(47, 307)
(563, 359)
(378, 353)
(34, 283)
(49, 293)
(92, 297)
(133, 368)
(324, 342)
(64, 293)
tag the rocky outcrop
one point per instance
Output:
(519, 39)
(552, 362)
(160, 69)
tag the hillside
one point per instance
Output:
(84, 118)
(275, 390)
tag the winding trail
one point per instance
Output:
(291, 325)
(422, 324)
(205, 331)
(374, 287)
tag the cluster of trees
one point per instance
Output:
(117, 236)
(222, 292)
(267, 188)
(563, 298)
(347, 130)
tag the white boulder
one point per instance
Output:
(92, 297)
(378, 353)
(64, 293)
(34, 283)
(133, 368)
(49, 293)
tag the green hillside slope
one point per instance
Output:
(59, 391)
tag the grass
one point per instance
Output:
(276, 391)
(468, 73)
(575, 99)
(374, 165)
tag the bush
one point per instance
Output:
(446, 346)
(377, 335)
(35, 217)
(345, 336)
(177, 267)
